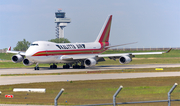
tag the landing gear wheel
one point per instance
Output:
(53, 66)
(76, 66)
(66, 66)
(36, 68)
(82, 67)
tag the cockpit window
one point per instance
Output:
(34, 44)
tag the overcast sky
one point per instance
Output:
(152, 23)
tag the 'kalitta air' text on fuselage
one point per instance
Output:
(71, 46)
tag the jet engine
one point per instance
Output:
(17, 58)
(26, 62)
(90, 62)
(125, 59)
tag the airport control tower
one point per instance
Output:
(61, 21)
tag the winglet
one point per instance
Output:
(169, 50)
(9, 49)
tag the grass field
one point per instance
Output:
(5, 56)
(99, 91)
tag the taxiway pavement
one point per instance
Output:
(6, 80)
(96, 68)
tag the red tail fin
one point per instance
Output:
(105, 31)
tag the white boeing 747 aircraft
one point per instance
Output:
(71, 54)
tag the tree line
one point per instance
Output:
(24, 45)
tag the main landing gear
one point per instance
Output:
(53, 66)
(66, 66)
(76, 66)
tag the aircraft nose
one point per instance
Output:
(29, 53)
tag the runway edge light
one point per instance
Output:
(159, 69)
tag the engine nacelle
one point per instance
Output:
(17, 58)
(26, 62)
(90, 62)
(125, 59)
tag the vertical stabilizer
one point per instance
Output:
(105, 31)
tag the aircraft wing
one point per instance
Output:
(16, 52)
(120, 45)
(133, 54)
(100, 56)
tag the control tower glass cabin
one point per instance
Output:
(60, 14)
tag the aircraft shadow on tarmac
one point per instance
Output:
(106, 67)
(61, 68)
(95, 67)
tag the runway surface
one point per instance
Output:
(6, 80)
(96, 68)
(54, 78)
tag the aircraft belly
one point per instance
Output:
(48, 59)
(45, 59)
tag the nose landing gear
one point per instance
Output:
(37, 67)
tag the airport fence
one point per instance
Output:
(169, 100)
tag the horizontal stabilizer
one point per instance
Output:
(169, 50)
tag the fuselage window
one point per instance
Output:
(34, 44)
